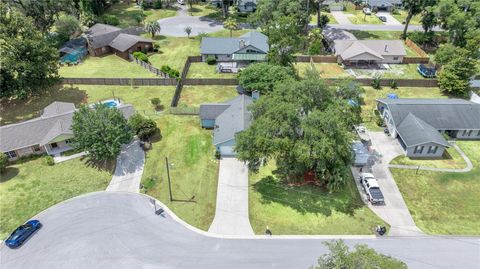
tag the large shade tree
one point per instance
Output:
(100, 131)
(305, 128)
(28, 61)
(264, 76)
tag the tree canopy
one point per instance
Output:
(100, 131)
(143, 127)
(304, 127)
(263, 76)
(361, 257)
(29, 62)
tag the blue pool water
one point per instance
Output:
(110, 104)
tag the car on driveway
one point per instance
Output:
(371, 187)
(382, 18)
(367, 11)
(22, 233)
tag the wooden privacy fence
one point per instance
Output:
(415, 47)
(148, 66)
(122, 81)
(185, 110)
(317, 59)
(183, 76)
(400, 82)
(416, 60)
(211, 81)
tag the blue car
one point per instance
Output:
(22, 233)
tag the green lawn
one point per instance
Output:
(444, 203)
(174, 50)
(193, 169)
(376, 34)
(307, 209)
(203, 70)
(194, 96)
(139, 97)
(326, 70)
(394, 71)
(360, 18)
(132, 15)
(451, 159)
(372, 94)
(30, 187)
(109, 66)
(331, 18)
(416, 20)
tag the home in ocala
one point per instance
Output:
(227, 119)
(387, 5)
(104, 38)
(250, 47)
(50, 133)
(353, 52)
(420, 124)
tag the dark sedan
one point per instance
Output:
(22, 233)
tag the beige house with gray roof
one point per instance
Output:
(369, 51)
(50, 133)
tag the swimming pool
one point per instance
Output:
(109, 103)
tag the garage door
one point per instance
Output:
(227, 151)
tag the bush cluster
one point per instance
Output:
(110, 19)
(49, 160)
(211, 60)
(170, 71)
(141, 56)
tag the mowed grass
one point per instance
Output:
(174, 50)
(326, 70)
(193, 169)
(360, 18)
(204, 70)
(394, 71)
(108, 66)
(444, 203)
(402, 15)
(133, 15)
(451, 159)
(194, 96)
(307, 209)
(371, 94)
(386, 35)
(12, 111)
(331, 18)
(30, 187)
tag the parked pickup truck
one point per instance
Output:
(370, 185)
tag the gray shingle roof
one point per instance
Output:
(101, 35)
(442, 114)
(125, 41)
(378, 48)
(415, 131)
(55, 120)
(227, 45)
(234, 119)
(212, 111)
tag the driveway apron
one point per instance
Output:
(231, 214)
(129, 169)
(395, 211)
(390, 19)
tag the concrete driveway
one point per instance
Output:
(231, 212)
(390, 19)
(129, 169)
(341, 17)
(395, 211)
(120, 230)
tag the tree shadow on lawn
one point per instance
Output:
(15, 110)
(307, 198)
(108, 166)
(9, 173)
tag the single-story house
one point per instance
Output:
(50, 133)
(226, 119)
(250, 47)
(387, 5)
(246, 6)
(104, 38)
(419, 124)
(369, 51)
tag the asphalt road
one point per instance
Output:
(120, 230)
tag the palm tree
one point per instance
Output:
(188, 30)
(153, 27)
(230, 24)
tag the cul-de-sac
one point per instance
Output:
(209, 134)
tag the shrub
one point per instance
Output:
(315, 48)
(156, 47)
(157, 4)
(211, 60)
(3, 162)
(110, 19)
(170, 71)
(217, 155)
(376, 82)
(139, 17)
(393, 84)
(141, 56)
(156, 102)
(143, 127)
(49, 160)
(395, 11)
(378, 118)
(146, 4)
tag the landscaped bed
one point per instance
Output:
(444, 203)
(451, 159)
(203, 70)
(193, 169)
(109, 66)
(307, 209)
(30, 187)
(326, 70)
(372, 94)
(194, 96)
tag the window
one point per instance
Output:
(68, 141)
(432, 149)
(478, 134)
(395, 58)
(418, 150)
(53, 145)
(467, 132)
(104, 49)
(36, 148)
(11, 154)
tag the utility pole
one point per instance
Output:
(169, 183)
